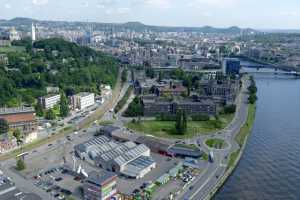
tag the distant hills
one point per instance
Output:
(136, 26)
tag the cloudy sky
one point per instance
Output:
(261, 14)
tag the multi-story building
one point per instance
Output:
(49, 101)
(172, 89)
(83, 100)
(100, 186)
(231, 66)
(224, 90)
(22, 118)
(3, 59)
(156, 106)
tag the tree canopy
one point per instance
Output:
(53, 62)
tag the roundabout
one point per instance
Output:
(216, 143)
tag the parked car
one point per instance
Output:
(58, 179)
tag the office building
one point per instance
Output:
(100, 186)
(83, 100)
(154, 106)
(49, 101)
(231, 66)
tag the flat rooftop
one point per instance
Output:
(16, 110)
(101, 178)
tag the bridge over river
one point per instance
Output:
(255, 67)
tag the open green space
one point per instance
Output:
(124, 100)
(166, 129)
(216, 143)
(188, 146)
(106, 123)
(11, 49)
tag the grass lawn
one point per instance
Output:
(106, 123)
(11, 49)
(166, 129)
(216, 143)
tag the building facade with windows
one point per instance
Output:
(49, 101)
(100, 186)
(22, 118)
(83, 100)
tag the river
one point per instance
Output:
(270, 166)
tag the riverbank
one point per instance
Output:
(241, 138)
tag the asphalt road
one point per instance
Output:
(201, 187)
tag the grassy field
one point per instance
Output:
(243, 134)
(11, 49)
(124, 100)
(216, 143)
(166, 129)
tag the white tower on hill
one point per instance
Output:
(33, 32)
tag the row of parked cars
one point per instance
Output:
(48, 180)
(187, 176)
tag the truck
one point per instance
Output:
(211, 156)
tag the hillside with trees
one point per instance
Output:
(53, 62)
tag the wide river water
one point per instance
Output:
(270, 166)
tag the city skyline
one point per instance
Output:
(196, 13)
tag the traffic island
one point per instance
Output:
(216, 143)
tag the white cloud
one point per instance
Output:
(123, 11)
(218, 3)
(289, 13)
(206, 14)
(153, 3)
(7, 6)
(85, 4)
(118, 11)
(39, 2)
(158, 3)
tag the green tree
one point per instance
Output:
(64, 106)
(39, 110)
(4, 127)
(229, 109)
(17, 135)
(252, 98)
(181, 122)
(20, 165)
(124, 75)
(160, 76)
(184, 122)
(50, 115)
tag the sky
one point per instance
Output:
(258, 14)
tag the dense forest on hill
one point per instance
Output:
(52, 62)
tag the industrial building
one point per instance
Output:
(100, 186)
(8, 191)
(83, 100)
(49, 101)
(128, 158)
(22, 118)
(183, 150)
